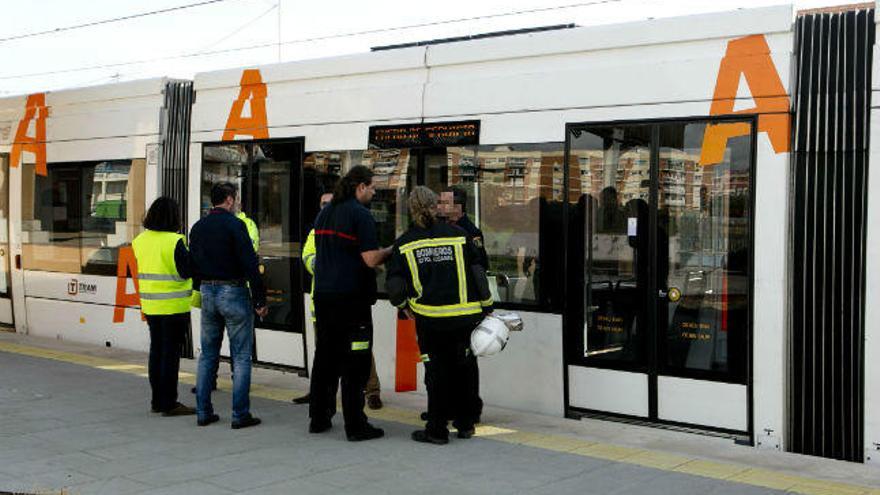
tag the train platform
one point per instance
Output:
(75, 419)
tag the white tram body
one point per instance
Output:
(277, 129)
(60, 287)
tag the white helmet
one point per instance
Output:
(489, 337)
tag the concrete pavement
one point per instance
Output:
(76, 418)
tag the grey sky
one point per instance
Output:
(239, 23)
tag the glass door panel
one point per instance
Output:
(703, 252)
(659, 279)
(613, 167)
(275, 209)
(268, 178)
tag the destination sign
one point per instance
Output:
(441, 134)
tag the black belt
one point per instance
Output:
(234, 283)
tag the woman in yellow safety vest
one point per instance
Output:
(165, 288)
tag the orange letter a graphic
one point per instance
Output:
(748, 57)
(126, 264)
(35, 110)
(253, 90)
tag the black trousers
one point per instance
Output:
(343, 350)
(167, 334)
(451, 376)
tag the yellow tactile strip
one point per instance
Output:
(653, 459)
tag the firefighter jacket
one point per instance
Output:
(436, 273)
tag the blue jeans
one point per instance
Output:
(229, 306)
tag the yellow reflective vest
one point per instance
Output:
(253, 231)
(308, 258)
(162, 290)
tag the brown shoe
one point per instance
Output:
(374, 402)
(179, 410)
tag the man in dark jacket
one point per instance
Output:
(435, 276)
(225, 269)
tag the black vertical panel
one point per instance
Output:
(830, 146)
(174, 161)
(174, 156)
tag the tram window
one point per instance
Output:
(76, 217)
(514, 194)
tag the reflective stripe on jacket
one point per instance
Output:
(162, 290)
(435, 271)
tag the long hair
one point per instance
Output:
(422, 206)
(347, 186)
(163, 215)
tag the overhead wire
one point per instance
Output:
(111, 20)
(311, 39)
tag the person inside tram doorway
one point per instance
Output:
(452, 208)
(254, 235)
(226, 267)
(347, 252)
(165, 287)
(435, 276)
(374, 388)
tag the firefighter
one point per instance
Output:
(452, 208)
(435, 275)
(347, 253)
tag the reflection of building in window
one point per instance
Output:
(462, 166)
(527, 172)
(109, 185)
(327, 162)
(389, 167)
(75, 218)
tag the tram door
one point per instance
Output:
(658, 317)
(269, 177)
(6, 317)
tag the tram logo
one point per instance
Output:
(75, 287)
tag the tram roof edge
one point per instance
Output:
(728, 24)
(102, 92)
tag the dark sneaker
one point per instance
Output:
(246, 422)
(368, 432)
(179, 410)
(319, 426)
(374, 402)
(466, 432)
(424, 416)
(301, 400)
(425, 437)
(206, 421)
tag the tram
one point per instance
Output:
(633, 182)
